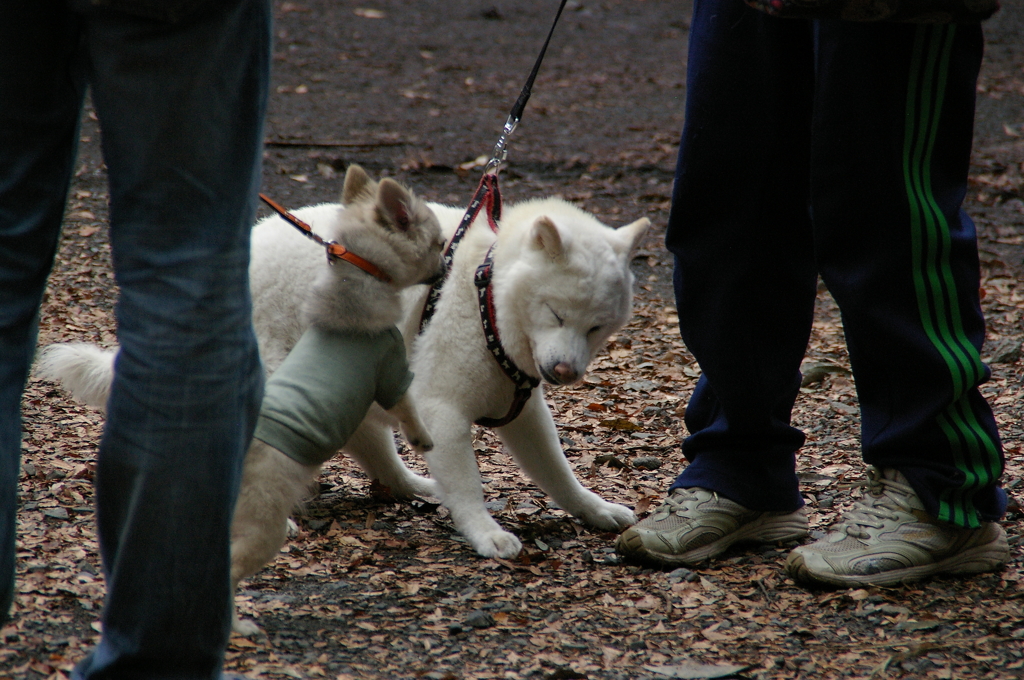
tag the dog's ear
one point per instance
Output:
(356, 183)
(629, 236)
(393, 202)
(546, 235)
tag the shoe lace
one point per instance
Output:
(884, 499)
(675, 501)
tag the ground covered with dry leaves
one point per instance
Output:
(371, 588)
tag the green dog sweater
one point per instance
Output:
(316, 399)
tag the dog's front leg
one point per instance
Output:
(413, 429)
(372, 445)
(452, 463)
(533, 442)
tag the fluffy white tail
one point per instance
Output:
(84, 370)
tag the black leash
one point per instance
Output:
(487, 192)
(516, 114)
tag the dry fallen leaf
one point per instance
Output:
(367, 13)
(693, 670)
(623, 424)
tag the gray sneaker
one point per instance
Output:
(888, 539)
(695, 524)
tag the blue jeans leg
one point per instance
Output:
(181, 108)
(40, 99)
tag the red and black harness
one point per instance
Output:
(525, 384)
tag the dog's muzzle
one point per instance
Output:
(438, 275)
(434, 278)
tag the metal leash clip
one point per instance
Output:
(500, 152)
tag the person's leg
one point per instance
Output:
(744, 278)
(892, 139)
(181, 109)
(740, 231)
(900, 255)
(40, 101)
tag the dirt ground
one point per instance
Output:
(370, 588)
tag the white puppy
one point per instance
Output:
(561, 285)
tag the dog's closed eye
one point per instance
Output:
(561, 321)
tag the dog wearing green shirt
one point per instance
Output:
(329, 342)
(333, 359)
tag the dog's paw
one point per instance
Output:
(496, 543)
(416, 485)
(291, 528)
(609, 516)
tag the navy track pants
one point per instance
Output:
(838, 149)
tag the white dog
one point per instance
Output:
(561, 286)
